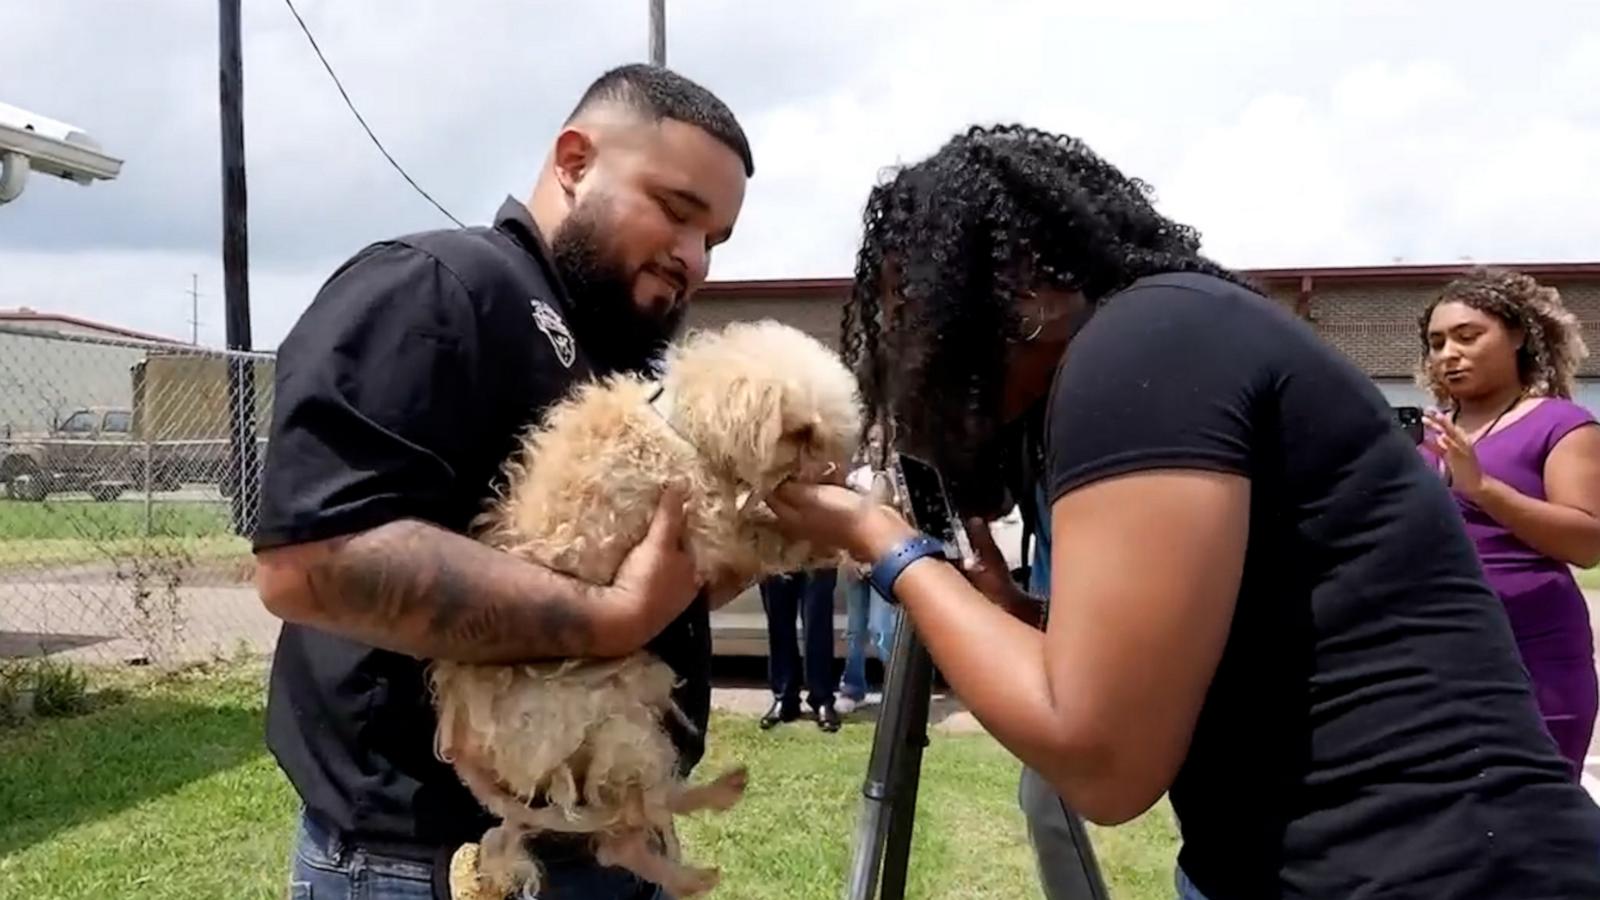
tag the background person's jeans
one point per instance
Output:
(323, 868)
(884, 621)
(857, 601)
(809, 597)
(1185, 887)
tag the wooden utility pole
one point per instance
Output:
(239, 480)
(658, 32)
(235, 243)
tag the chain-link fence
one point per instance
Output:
(129, 476)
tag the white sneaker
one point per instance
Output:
(845, 705)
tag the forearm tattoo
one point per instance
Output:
(438, 595)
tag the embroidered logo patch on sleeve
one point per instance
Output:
(549, 322)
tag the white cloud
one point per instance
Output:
(1288, 131)
(149, 290)
(1394, 162)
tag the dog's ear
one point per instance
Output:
(766, 415)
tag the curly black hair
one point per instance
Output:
(1552, 342)
(949, 245)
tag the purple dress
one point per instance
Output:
(1548, 615)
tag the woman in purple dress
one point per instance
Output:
(1523, 461)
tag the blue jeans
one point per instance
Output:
(323, 868)
(885, 622)
(857, 597)
(869, 619)
(1185, 887)
(1039, 565)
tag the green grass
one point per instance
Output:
(87, 519)
(69, 532)
(1588, 579)
(40, 687)
(169, 793)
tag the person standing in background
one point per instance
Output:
(869, 619)
(858, 601)
(1500, 351)
(808, 596)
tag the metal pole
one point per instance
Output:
(903, 808)
(658, 32)
(235, 261)
(880, 863)
(194, 309)
(235, 256)
(889, 793)
(149, 461)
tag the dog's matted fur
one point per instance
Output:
(578, 746)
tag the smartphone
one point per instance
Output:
(1410, 419)
(922, 497)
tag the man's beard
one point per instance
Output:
(613, 331)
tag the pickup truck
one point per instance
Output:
(176, 432)
(90, 450)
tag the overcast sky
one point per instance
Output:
(1290, 132)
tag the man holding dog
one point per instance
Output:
(399, 394)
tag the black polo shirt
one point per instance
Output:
(400, 393)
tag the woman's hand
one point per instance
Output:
(1453, 446)
(991, 575)
(838, 517)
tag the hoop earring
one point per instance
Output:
(1036, 328)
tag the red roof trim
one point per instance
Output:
(797, 288)
(1564, 271)
(28, 315)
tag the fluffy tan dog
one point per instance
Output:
(578, 746)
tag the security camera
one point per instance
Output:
(31, 142)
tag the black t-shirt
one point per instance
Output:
(400, 393)
(1370, 731)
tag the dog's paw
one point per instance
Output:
(728, 789)
(468, 880)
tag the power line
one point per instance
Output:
(357, 114)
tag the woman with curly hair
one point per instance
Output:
(1499, 351)
(1262, 601)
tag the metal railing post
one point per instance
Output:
(148, 480)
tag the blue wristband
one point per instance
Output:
(887, 570)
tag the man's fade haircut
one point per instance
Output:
(660, 93)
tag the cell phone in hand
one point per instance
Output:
(1410, 419)
(921, 496)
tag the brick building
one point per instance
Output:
(1370, 312)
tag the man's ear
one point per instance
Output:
(573, 158)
